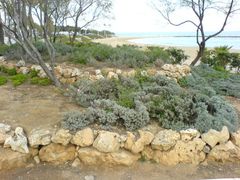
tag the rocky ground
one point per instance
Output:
(140, 171)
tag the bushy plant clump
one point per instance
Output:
(132, 102)
(220, 57)
(209, 81)
(3, 80)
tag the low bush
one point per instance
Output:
(19, 79)
(3, 49)
(41, 81)
(209, 81)
(3, 80)
(220, 57)
(177, 56)
(131, 103)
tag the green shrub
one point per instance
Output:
(220, 57)
(132, 103)
(156, 53)
(209, 81)
(18, 79)
(33, 73)
(3, 49)
(12, 71)
(41, 81)
(3, 80)
(177, 56)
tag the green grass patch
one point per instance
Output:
(3, 80)
(19, 79)
(41, 81)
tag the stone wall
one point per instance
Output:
(96, 147)
(69, 74)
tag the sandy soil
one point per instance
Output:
(114, 41)
(31, 106)
(140, 171)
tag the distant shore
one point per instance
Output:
(115, 41)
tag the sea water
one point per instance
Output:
(186, 39)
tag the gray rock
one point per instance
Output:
(18, 142)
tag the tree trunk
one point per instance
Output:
(200, 54)
(1, 32)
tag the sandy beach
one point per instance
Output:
(114, 41)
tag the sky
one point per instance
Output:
(140, 16)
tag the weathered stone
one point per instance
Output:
(213, 137)
(40, 137)
(37, 159)
(165, 140)
(57, 154)
(89, 177)
(107, 142)
(91, 156)
(75, 72)
(147, 153)
(62, 136)
(183, 152)
(3, 137)
(18, 142)
(83, 138)
(10, 159)
(189, 134)
(24, 70)
(98, 77)
(145, 139)
(21, 63)
(129, 141)
(5, 128)
(226, 152)
(235, 138)
(118, 71)
(98, 72)
(76, 163)
(112, 75)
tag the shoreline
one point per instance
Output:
(119, 41)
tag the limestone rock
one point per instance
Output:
(118, 71)
(75, 72)
(18, 142)
(83, 138)
(235, 137)
(21, 63)
(147, 153)
(226, 152)
(183, 152)
(62, 136)
(189, 134)
(76, 163)
(37, 159)
(91, 156)
(10, 159)
(4, 128)
(112, 75)
(129, 141)
(57, 154)
(107, 142)
(213, 137)
(24, 70)
(145, 139)
(40, 137)
(98, 72)
(3, 137)
(165, 140)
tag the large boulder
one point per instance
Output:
(18, 142)
(213, 137)
(184, 152)
(11, 159)
(91, 156)
(62, 136)
(57, 154)
(83, 138)
(165, 140)
(235, 137)
(21, 63)
(40, 137)
(144, 139)
(226, 152)
(107, 142)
